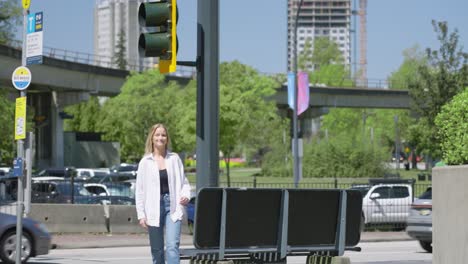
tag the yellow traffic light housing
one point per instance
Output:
(161, 43)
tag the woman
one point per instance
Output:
(162, 190)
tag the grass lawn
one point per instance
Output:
(246, 175)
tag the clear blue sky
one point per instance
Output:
(254, 31)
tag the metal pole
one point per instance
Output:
(208, 94)
(20, 154)
(295, 140)
(397, 152)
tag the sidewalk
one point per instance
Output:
(73, 241)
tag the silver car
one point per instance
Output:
(419, 223)
(35, 241)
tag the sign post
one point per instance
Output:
(21, 79)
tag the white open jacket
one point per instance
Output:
(148, 193)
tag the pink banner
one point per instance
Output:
(302, 92)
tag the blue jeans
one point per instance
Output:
(156, 235)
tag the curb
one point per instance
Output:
(96, 241)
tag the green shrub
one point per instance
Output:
(343, 157)
(452, 124)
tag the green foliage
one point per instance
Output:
(343, 156)
(120, 54)
(277, 161)
(10, 17)
(7, 120)
(145, 100)
(245, 115)
(320, 53)
(452, 124)
(7, 123)
(408, 71)
(86, 116)
(185, 123)
(347, 150)
(444, 75)
(331, 75)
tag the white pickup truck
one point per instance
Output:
(386, 201)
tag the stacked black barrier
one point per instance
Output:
(266, 225)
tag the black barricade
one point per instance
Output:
(254, 217)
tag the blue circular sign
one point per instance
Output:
(21, 78)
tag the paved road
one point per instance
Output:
(402, 252)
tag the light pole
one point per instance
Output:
(295, 139)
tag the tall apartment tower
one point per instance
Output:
(320, 18)
(111, 19)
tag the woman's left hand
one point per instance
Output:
(184, 201)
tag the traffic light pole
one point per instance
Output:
(207, 93)
(296, 168)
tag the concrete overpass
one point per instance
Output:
(62, 81)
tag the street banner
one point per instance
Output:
(302, 92)
(20, 118)
(34, 39)
(291, 87)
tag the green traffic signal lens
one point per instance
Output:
(154, 45)
(154, 14)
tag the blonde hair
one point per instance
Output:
(149, 138)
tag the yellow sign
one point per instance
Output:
(20, 118)
(26, 3)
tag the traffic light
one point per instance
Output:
(162, 42)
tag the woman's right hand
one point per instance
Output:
(143, 223)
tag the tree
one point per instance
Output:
(452, 124)
(408, 70)
(324, 63)
(85, 116)
(10, 17)
(145, 99)
(321, 52)
(7, 119)
(120, 55)
(245, 114)
(444, 76)
(407, 73)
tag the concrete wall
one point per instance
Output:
(450, 214)
(90, 154)
(83, 218)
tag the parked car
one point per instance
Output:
(4, 171)
(65, 172)
(419, 224)
(35, 240)
(125, 169)
(120, 189)
(191, 214)
(97, 189)
(58, 192)
(111, 178)
(112, 199)
(386, 201)
(401, 156)
(87, 173)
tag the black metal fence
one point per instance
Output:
(386, 212)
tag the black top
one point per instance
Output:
(163, 181)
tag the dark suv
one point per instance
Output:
(65, 172)
(58, 192)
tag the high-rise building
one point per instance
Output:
(116, 25)
(320, 18)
